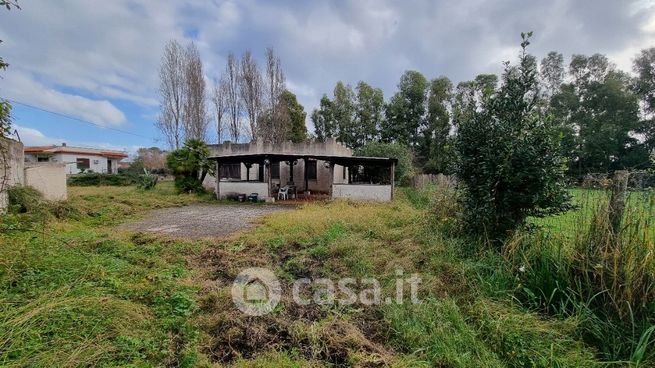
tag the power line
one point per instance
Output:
(78, 119)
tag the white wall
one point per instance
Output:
(97, 164)
(243, 187)
(365, 192)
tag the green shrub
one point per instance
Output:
(95, 179)
(28, 201)
(510, 161)
(190, 165)
(147, 181)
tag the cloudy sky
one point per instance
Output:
(98, 60)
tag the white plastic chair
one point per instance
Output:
(283, 193)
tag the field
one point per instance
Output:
(74, 291)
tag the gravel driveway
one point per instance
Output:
(202, 220)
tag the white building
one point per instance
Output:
(77, 159)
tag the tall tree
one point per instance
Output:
(406, 109)
(230, 84)
(343, 110)
(369, 112)
(464, 104)
(195, 99)
(250, 88)
(552, 73)
(171, 94)
(436, 146)
(219, 99)
(295, 114)
(273, 128)
(644, 87)
(323, 119)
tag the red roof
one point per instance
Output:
(76, 150)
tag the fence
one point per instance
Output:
(421, 180)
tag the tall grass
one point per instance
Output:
(578, 266)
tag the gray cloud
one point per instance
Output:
(111, 49)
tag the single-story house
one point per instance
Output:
(77, 159)
(307, 169)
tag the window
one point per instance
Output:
(231, 171)
(275, 170)
(42, 159)
(311, 170)
(83, 164)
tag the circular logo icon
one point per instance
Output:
(256, 291)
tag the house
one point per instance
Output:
(308, 169)
(77, 159)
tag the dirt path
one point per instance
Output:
(202, 220)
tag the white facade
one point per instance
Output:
(76, 163)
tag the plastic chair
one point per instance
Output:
(283, 193)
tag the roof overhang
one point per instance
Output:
(277, 157)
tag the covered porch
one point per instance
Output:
(305, 176)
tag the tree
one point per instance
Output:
(195, 108)
(273, 127)
(552, 72)
(153, 159)
(405, 111)
(190, 165)
(369, 110)
(230, 84)
(644, 87)
(171, 94)
(219, 99)
(323, 119)
(510, 163)
(250, 88)
(343, 112)
(295, 114)
(436, 147)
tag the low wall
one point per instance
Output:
(243, 187)
(362, 192)
(49, 178)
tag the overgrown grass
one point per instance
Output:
(80, 293)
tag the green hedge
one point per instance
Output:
(95, 179)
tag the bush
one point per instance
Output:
(404, 169)
(95, 179)
(27, 200)
(510, 160)
(190, 165)
(147, 181)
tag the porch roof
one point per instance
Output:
(275, 157)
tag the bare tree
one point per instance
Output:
(171, 94)
(250, 88)
(273, 127)
(195, 108)
(230, 82)
(219, 98)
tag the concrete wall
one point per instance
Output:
(11, 167)
(365, 192)
(329, 147)
(49, 178)
(243, 187)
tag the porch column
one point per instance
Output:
(393, 178)
(306, 163)
(218, 180)
(331, 178)
(267, 168)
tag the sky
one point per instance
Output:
(97, 61)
